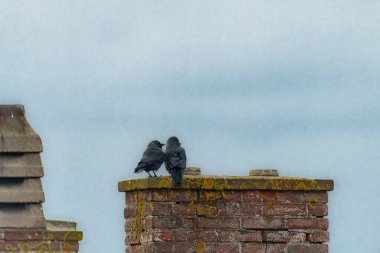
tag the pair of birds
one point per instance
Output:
(174, 158)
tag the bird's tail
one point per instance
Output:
(139, 169)
(177, 175)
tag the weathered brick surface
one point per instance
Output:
(309, 248)
(230, 220)
(263, 248)
(318, 210)
(158, 208)
(218, 222)
(23, 235)
(307, 223)
(174, 195)
(285, 210)
(172, 222)
(264, 223)
(251, 209)
(283, 236)
(31, 241)
(33, 245)
(240, 236)
(227, 248)
(196, 235)
(319, 236)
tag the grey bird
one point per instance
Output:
(152, 159)
(175, 160)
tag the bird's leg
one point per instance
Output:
(149, 174)
(154, 173)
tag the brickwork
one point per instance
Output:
(23, 227)
(39, 241)
(253, 216)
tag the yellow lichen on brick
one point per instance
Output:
(207, 209)
(301, 186)
(163, 182)
(213, 195)
(313, 202)
(208, 183)
(200, 246)
(268, 203)
(230, 183)
(137, 226)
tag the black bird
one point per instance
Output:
(152, 159)
(175, 160)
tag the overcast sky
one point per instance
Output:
(292, 85)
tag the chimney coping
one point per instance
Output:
(229, 183)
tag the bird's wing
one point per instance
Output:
(182, 156)
(152, 156)
(177, 158)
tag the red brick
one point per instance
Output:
(254, 248)
(158, 208)
(185, 208)
(55, 245)
(232, 195)
(146, 236)
(319, 236)
(196, 235)
(181, 247)
(161, 247)
(251, 209)
(222, 208)
(229, 195)
(263, 248)
(281, 210)
(227, 248)
(168, 222)
(68, 246)
(318, 211)
(163, 235)
(129, 224)
(240, 235)
(130, 197)
(130, 211)
(221, 222)
(147, 222)
(283, 236)
(229, 208)
(144, 196)
(134, 197)
(295, 197)
(210, 195)
(275, 248)
(135, 249)
(132, 238)
(208, 210)
(203, 247)
(23, 235)
(314, 223)
(264, 223)
(312, 248)
(253, 197)
(174, 195)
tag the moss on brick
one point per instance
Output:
(230, 183)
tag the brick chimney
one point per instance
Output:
(23, 227)
(260, 214)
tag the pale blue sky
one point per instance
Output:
(286, 84)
